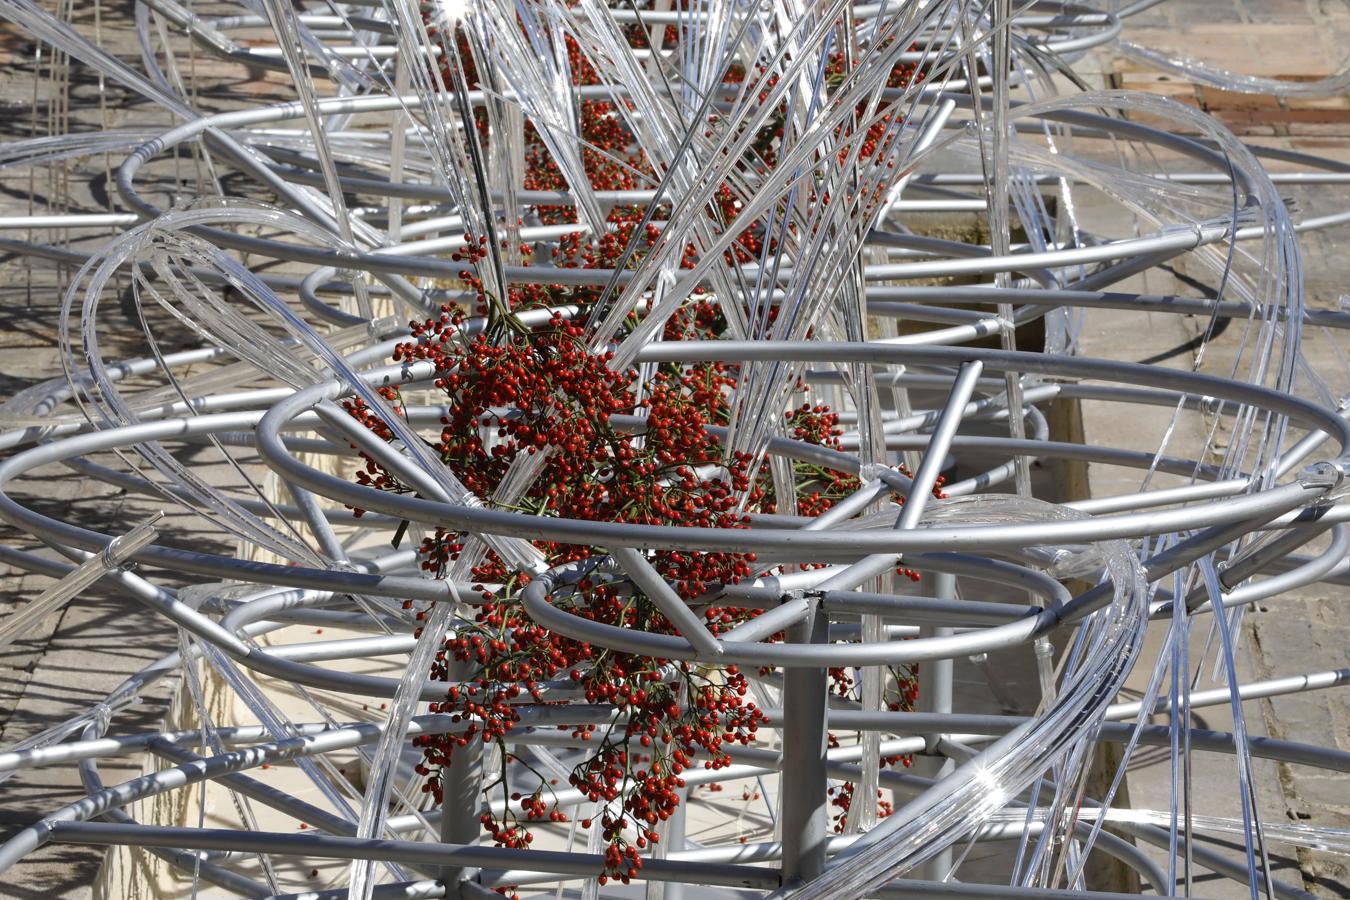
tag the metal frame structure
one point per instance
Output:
(1095, 575)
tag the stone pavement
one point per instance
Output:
(81, 653)
(1304, 631)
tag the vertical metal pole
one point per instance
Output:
(461, 787)
(1000, 237)
(674, 890)
(935, 696)
(672, 834)
(803, 782)
(921, 488)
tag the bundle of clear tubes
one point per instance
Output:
(643, 447)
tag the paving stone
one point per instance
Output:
(1272, 11)
(74, 658)
(1300, 632)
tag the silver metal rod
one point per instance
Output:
(805, 811)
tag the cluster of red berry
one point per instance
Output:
(518, 391)
(542, 391)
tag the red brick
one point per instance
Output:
(1306, 116)
(1319, 128)
(1318, 102)
(1214, 99)
(1320, 143)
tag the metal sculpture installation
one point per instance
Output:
(592, 377)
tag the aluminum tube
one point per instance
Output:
(926, 610)
(84, 220)
(336, 847)
(381, 262)
(848, 507)
(1111, 732)
(1001, 361)
(197, 863)
(385, 261)
(820, 546)
(935, 698)
(263, 793)
(672, 606)
(772, 850)
(1020, 262)
(408, 890)
(1332, 561)
(1273, 687)
(595, 532)
(1161, 564)
(992, 571)
(58, 390)
(915, 888)
(925, 480)
(787, 614)
(201, 563)
(1137, 459)
(377, 448)
(995, 571)
(1272, 546)
(1306, 446)
(1210, 859)
(1080, 299)
(791, 655)
(33, 836)
(984, 408)
(147, 488)
(1329, 562)
(805, 806)
(1163, 497)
